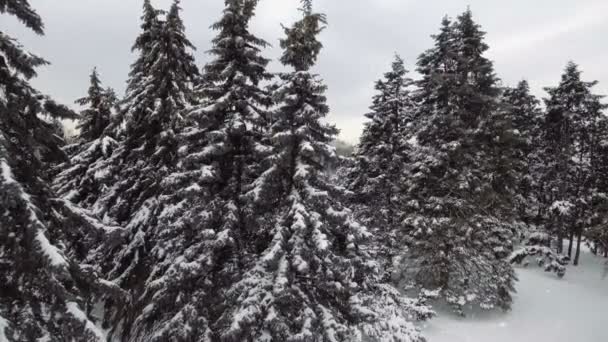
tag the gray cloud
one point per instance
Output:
(531, 40)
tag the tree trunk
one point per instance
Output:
(578, 245)
(560, 238)
(539, 216)
(570, 243)
(595, 248)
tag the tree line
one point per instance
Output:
(200, 206)
(459, 176)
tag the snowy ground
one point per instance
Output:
(545, 309)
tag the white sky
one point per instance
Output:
(528, 39)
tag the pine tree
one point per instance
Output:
(376, 178)
(94, 120)
(524, 114)
(597, 231)
(311, 280)
(46, 288)
(570, 137)
(234, 120)
(83, 179)
(212, 222)
(158, 92)
(144, 44)
(459, 175)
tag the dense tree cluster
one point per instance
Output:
(454, 172)
(49, 284)
(452, 151)
(198, 207)
(209, 204)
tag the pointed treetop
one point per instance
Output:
(307, 6)
(235, 49)
(236, 12)
(469, 52)
(446, 22)
(150, 13)
(521, 89)
(445, 32)
(571, 89)
(149, 10)
(235, 22)
(522, 103)
(95, 90)
(395, 78)
(471, 32)
(523, 85)
(571, 66)
(429, 60)
(571, 72)
(571, 80)
(96, 116)
(301, 46)
(111, 95)
(175, 22)
(95, 82)
(174, 11)
(149, 23)
(398, 65)
(467, 15)
(244, 8)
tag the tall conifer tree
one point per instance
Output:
(460, 182)
(376, 177)
(570, 140)
(158, 92)
(46, 287)
(523, 112)
(94, 120)
(311, 280)
(82, 179)
(212, 220)
(597, 232)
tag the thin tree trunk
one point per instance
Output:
(560, 238)
(538, 217)
(570, 243)
(578, 245)
(595, 247)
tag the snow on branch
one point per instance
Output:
(545, 257)
(48, 250)
(74, 310)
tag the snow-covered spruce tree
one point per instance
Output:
(597, 233)
(569, 146)
(158, 92)
(524, 113)
(311, 280)
(95, 119)
(212, 224)
(82, 179)
(107, 168)
(376, 177)
(459, 176)
(46, 289)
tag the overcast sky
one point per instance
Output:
(528, 39)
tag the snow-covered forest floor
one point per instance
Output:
(545, 309)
